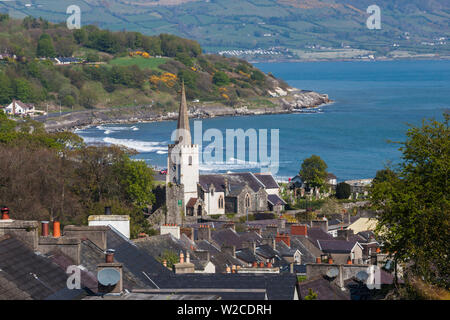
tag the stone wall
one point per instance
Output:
(174, 193)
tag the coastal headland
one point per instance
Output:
(292, 100)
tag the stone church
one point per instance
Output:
(189, 194)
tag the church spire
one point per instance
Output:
(184, 132)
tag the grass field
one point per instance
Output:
(143, 63)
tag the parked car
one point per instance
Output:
(163, 171)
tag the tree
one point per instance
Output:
(136, 179)
(314, 172)
(45, 46)
(414, 223)
(6, 89)
(311, 295)
(343, 190)
(220, 79)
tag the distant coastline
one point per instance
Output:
(296, 99)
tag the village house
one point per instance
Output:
(19, 108)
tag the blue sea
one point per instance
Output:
(374, 103)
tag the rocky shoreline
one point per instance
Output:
(285, 103)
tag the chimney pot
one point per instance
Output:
(349, 261)
(261, 264)
(181, 257)
(109, 256)
(44, 231)
(108, 211)
(56, 229)
(318, 260)
(165, 263)
(5, 213)
(255, 264)
(330, 260)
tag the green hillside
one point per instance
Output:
(419, 26)
(117, 69)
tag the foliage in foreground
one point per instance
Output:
(55, 176)
(414, 223)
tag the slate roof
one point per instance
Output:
(267, 180)
(10, 291)
(91, 255)
(27, 271)
(246, 177)
(137, 261)
(308, 256)
(315, 234)
(277, 286)
(273, 199)
(284, 250)
(325, 289)
(266, 251)
(218, 258)
(250, 236)
(215, 179)
(336, 246)
(227, 237)
(247, 255)
(157, 245)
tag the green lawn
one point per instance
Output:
(143, 63)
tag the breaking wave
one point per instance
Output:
(140, 146)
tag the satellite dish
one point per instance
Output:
(332, 273)
(108, 277)
(362, 276)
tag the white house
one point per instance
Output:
(19, 108)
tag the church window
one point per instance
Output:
(247, 200)
(221, 202)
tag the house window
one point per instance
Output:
(221, 202)
(247, 200)
(190, 160)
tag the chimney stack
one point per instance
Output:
(56, 229)
(44, 230)
(109, 256)
(5, 213)
(299, 230)
(204, 232)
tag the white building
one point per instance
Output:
(18, 108)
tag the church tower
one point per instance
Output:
(182, 165)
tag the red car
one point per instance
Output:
(163, 171)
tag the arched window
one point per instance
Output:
(190, 160)
(247, 200)
(221, 202)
